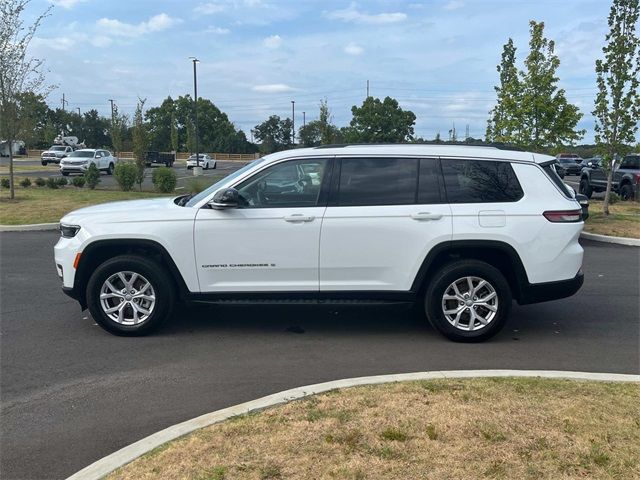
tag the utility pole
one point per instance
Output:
(466, 133)
(367, 88)
(111, 100)
(304, 119)
(64, 102)
(195, 107)
(79, 114)
(293, 122)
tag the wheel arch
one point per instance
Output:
(499, 254)
(99, 251)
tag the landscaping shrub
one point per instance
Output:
(40, 182)
(164, 179)
(613, 198)
(52, 183)
(78, 181)
(195, 186)
(25, 182)
(126, 174)
(4, 183)
(62, 181)
(92, 176)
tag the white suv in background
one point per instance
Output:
(79, 161)
(462, 231)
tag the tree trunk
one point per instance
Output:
(605, 205)
(12, 190)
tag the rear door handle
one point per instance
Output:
(426, 216)
(298, 217)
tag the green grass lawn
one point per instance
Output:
(623, 219)
(45, 205)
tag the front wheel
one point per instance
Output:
(468, 301)
(585, 188)
(44, 164)
(626, 192)
(110, 169)
(130, 295)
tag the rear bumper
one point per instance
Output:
(544, 292)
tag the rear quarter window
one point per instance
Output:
(480, 181)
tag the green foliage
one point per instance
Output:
(52, 183)
(78, 181)
(164, 179)
(531, 111)
(380, 122)
(117, 128)
(321, 131)
(174, 133)
(125, 174)
(394, 434)
(140, 141)
(92, 176)
(61, 181)
(196, 185)
(5, 182)
(25, 182)
(274, 134)
(613, 198)
(40, 182)
(617, 104)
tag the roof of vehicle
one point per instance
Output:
(88, 149)
(417, 149)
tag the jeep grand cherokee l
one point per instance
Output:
(461, 231)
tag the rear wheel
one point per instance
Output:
(585, 188)
(468, 301)
(110, 169)
(130, 295)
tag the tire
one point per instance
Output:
(626, 192)
(110, 169)
(214, 165)
(44, 164)
(457, 273)
(159, 301)
(585, 188)
(65, 174)
(206, 166)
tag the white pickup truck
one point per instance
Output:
(55, 154)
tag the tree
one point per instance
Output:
(95, 129)
(274, 134)
(531, 110)
(140, 141)
(380, 122)
(117, 128)
(19, 74)
(617, 104)
(174, 133)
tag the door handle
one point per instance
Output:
(426, 216)
(298, 217)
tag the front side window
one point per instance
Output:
(378, 181)
(479, 181)
(295, 183)
(631, 162)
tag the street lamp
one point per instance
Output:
(195, 111)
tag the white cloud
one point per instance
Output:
(274, 41)
(353, 49)
(159, 22)
(209, 8)
(56, 43)
(65, 3)
(217, 30)
(453, 5)
(272, 88)
(352, 14)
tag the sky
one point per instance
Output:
(436, 57)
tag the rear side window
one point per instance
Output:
(631, 162)
(430, 181)
(378, 181)
(479, 181)
(550, 170)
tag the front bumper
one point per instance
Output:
(544, 292)
(73, 168)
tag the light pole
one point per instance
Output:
(304, 119)
(293, 122)
(195, 112)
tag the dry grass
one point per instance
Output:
(445, 429)
(18, 169)
(623, 220)
(44, 205)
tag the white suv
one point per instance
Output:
(460, 230)
(80, 160)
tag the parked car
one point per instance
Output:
(569, 166)
(206, 162)
(625, 181)
(55, 154)
(79, 161)
(460, 231)
(575, 158)
(163, 158)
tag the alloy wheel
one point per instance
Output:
(470, 303)
(127, 298)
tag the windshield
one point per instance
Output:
(57, 149)
(205, 193)
(81, 154)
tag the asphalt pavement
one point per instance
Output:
(71, 393)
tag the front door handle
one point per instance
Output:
(426, 216)
(299, 217)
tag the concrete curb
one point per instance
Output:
(129, 453)
(634, 242)
(29, 228)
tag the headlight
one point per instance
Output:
(69, 231)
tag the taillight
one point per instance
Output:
(563, 216)
(637, 175)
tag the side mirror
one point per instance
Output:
(584, 204)
(226, 198)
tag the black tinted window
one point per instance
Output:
(632, 161)
(429, 186)
(378, 181)
(474, 181)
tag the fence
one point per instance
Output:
(238, 157)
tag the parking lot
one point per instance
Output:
(72, 393)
